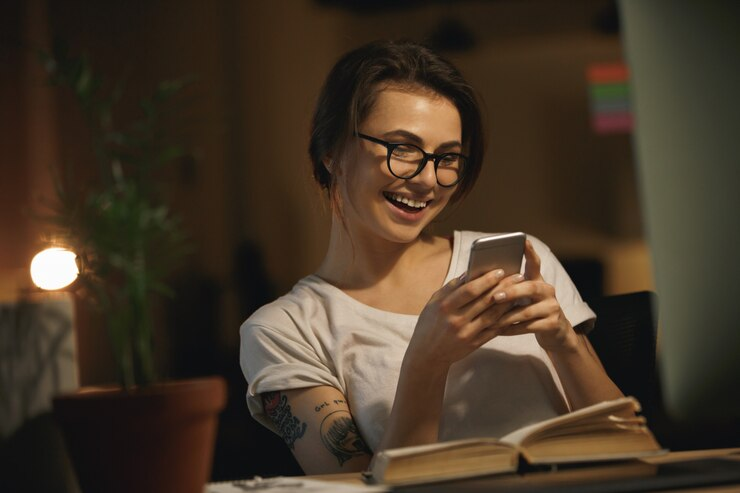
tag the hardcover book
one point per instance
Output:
(607, 431)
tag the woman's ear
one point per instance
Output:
(328, 163)
(332, 165)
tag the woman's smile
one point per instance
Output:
(406, 208)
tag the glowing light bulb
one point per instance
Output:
(54, 268)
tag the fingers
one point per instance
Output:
(486, 326)
(553, 333)
(452, 285)
(486, 302)
(444, 292)
(463, 303)
(507, 327)
(527, 290)
(502, 310)
(547, 310)
(462, 293)
(485, 311)
(528, 327)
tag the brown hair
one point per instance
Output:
(350, 89)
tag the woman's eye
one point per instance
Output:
(403, 151)
(449, 160)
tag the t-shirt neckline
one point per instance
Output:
(315, 279)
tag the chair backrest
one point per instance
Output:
(625, 337)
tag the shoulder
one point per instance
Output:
(290, 312)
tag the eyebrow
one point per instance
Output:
(412, 138)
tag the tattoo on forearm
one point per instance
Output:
(277, 408)
(341, 437)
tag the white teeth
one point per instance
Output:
(411, 203)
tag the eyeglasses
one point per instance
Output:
(405, 161)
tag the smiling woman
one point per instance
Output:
(359, 356)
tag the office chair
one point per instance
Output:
(624, 338)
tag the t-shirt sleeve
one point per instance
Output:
(578, 313)
(279, 358)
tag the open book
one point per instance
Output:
(605, 431)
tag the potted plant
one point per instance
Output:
(142, 434)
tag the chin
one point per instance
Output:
(404, 233)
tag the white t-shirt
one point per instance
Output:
(318, 335)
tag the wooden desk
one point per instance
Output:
(728, 453)
(588, 478)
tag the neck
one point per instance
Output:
(356, 261)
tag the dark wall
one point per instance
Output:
(257, 220)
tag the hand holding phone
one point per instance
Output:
(501, 251)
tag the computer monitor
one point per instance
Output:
(684, 59)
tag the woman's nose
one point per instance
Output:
(428, 175)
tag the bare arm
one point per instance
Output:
(317, 425)
(583, 376)
(584, 379)
(417, 407)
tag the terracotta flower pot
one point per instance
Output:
(153, 439)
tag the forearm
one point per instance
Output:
(583, 377)
(417, 407)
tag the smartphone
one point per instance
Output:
(501, 251)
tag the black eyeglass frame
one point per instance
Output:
(427, 156)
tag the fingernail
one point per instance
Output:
(462, 278)
(499, 273)
(518, 278)
(500, 296)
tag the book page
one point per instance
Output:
(597, 412)
(416, 450)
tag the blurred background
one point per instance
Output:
(244, 189)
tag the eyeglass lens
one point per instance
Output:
(405, 160)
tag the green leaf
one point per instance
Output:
(127, 238)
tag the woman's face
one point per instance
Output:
(372, 198)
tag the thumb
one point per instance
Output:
(451, 286)
(532, 264)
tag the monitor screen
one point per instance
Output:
(684, 59)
